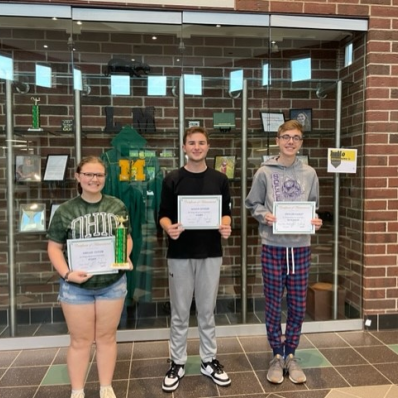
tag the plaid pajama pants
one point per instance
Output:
(285, 267)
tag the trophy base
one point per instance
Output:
(125, 266)
(33, 129)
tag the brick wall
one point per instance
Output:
(207, 56)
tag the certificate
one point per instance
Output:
(55, 167)
(199, 212)
(294, 217)
(95, 256)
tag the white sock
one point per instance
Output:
(77, 391)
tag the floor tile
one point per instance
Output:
(311, 359)
(326, 340)
(20, 392)
(226, 345)
(324, 378)
(378, 354)
(124, 351)
(57, 374)
(36, 357)
(362, 375)
(337, 365)
(359, 339)
(196, 387)
(367, 392)
(303, 394)
(143, 368)
(389, 371)
(26, 376)
(242, 383)
(192, 367)
(387, 336)
(255, 343)
(259, 361)
(343, 356)
(153, 349)
(8, 357)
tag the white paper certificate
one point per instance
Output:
(95, 256)
(199, 212)
(294, 217)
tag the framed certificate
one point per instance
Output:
(294, 218)
(271, 121)
(94, 255)
(200, 212)
(55, 167)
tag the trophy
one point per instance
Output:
(121, 261)
(35, 115)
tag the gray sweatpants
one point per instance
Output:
(187, 276)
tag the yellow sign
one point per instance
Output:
(342, 160)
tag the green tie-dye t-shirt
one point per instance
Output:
(78, 219)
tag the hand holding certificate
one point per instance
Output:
(95, 256)
(294, 218)
(199, 212)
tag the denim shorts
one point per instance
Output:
(72, 294)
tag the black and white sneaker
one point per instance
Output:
(214, 370)
(172, 378)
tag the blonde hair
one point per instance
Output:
(290, 125)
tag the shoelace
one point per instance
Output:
(217, 366)
(173, 371)
(276, 360)
(292, 361)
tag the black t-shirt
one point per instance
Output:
(194, 243)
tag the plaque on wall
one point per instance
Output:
(32, 217)
(67, 125)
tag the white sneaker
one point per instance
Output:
(107, 392)
(77, 394)
(173, 377)
(215, 371)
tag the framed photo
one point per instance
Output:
(54, 207)
(28, 168)
(271, 121)
(303, 116)
(194, 123)
(225, 164)
(32, 217)
(55, 167)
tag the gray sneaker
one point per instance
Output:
(296, 374)
(275, 371)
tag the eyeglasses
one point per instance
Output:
(288, 137)
(92, 175)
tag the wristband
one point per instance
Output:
(66, 276)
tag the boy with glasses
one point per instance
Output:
(285, 258)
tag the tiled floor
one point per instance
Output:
(337, 365)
